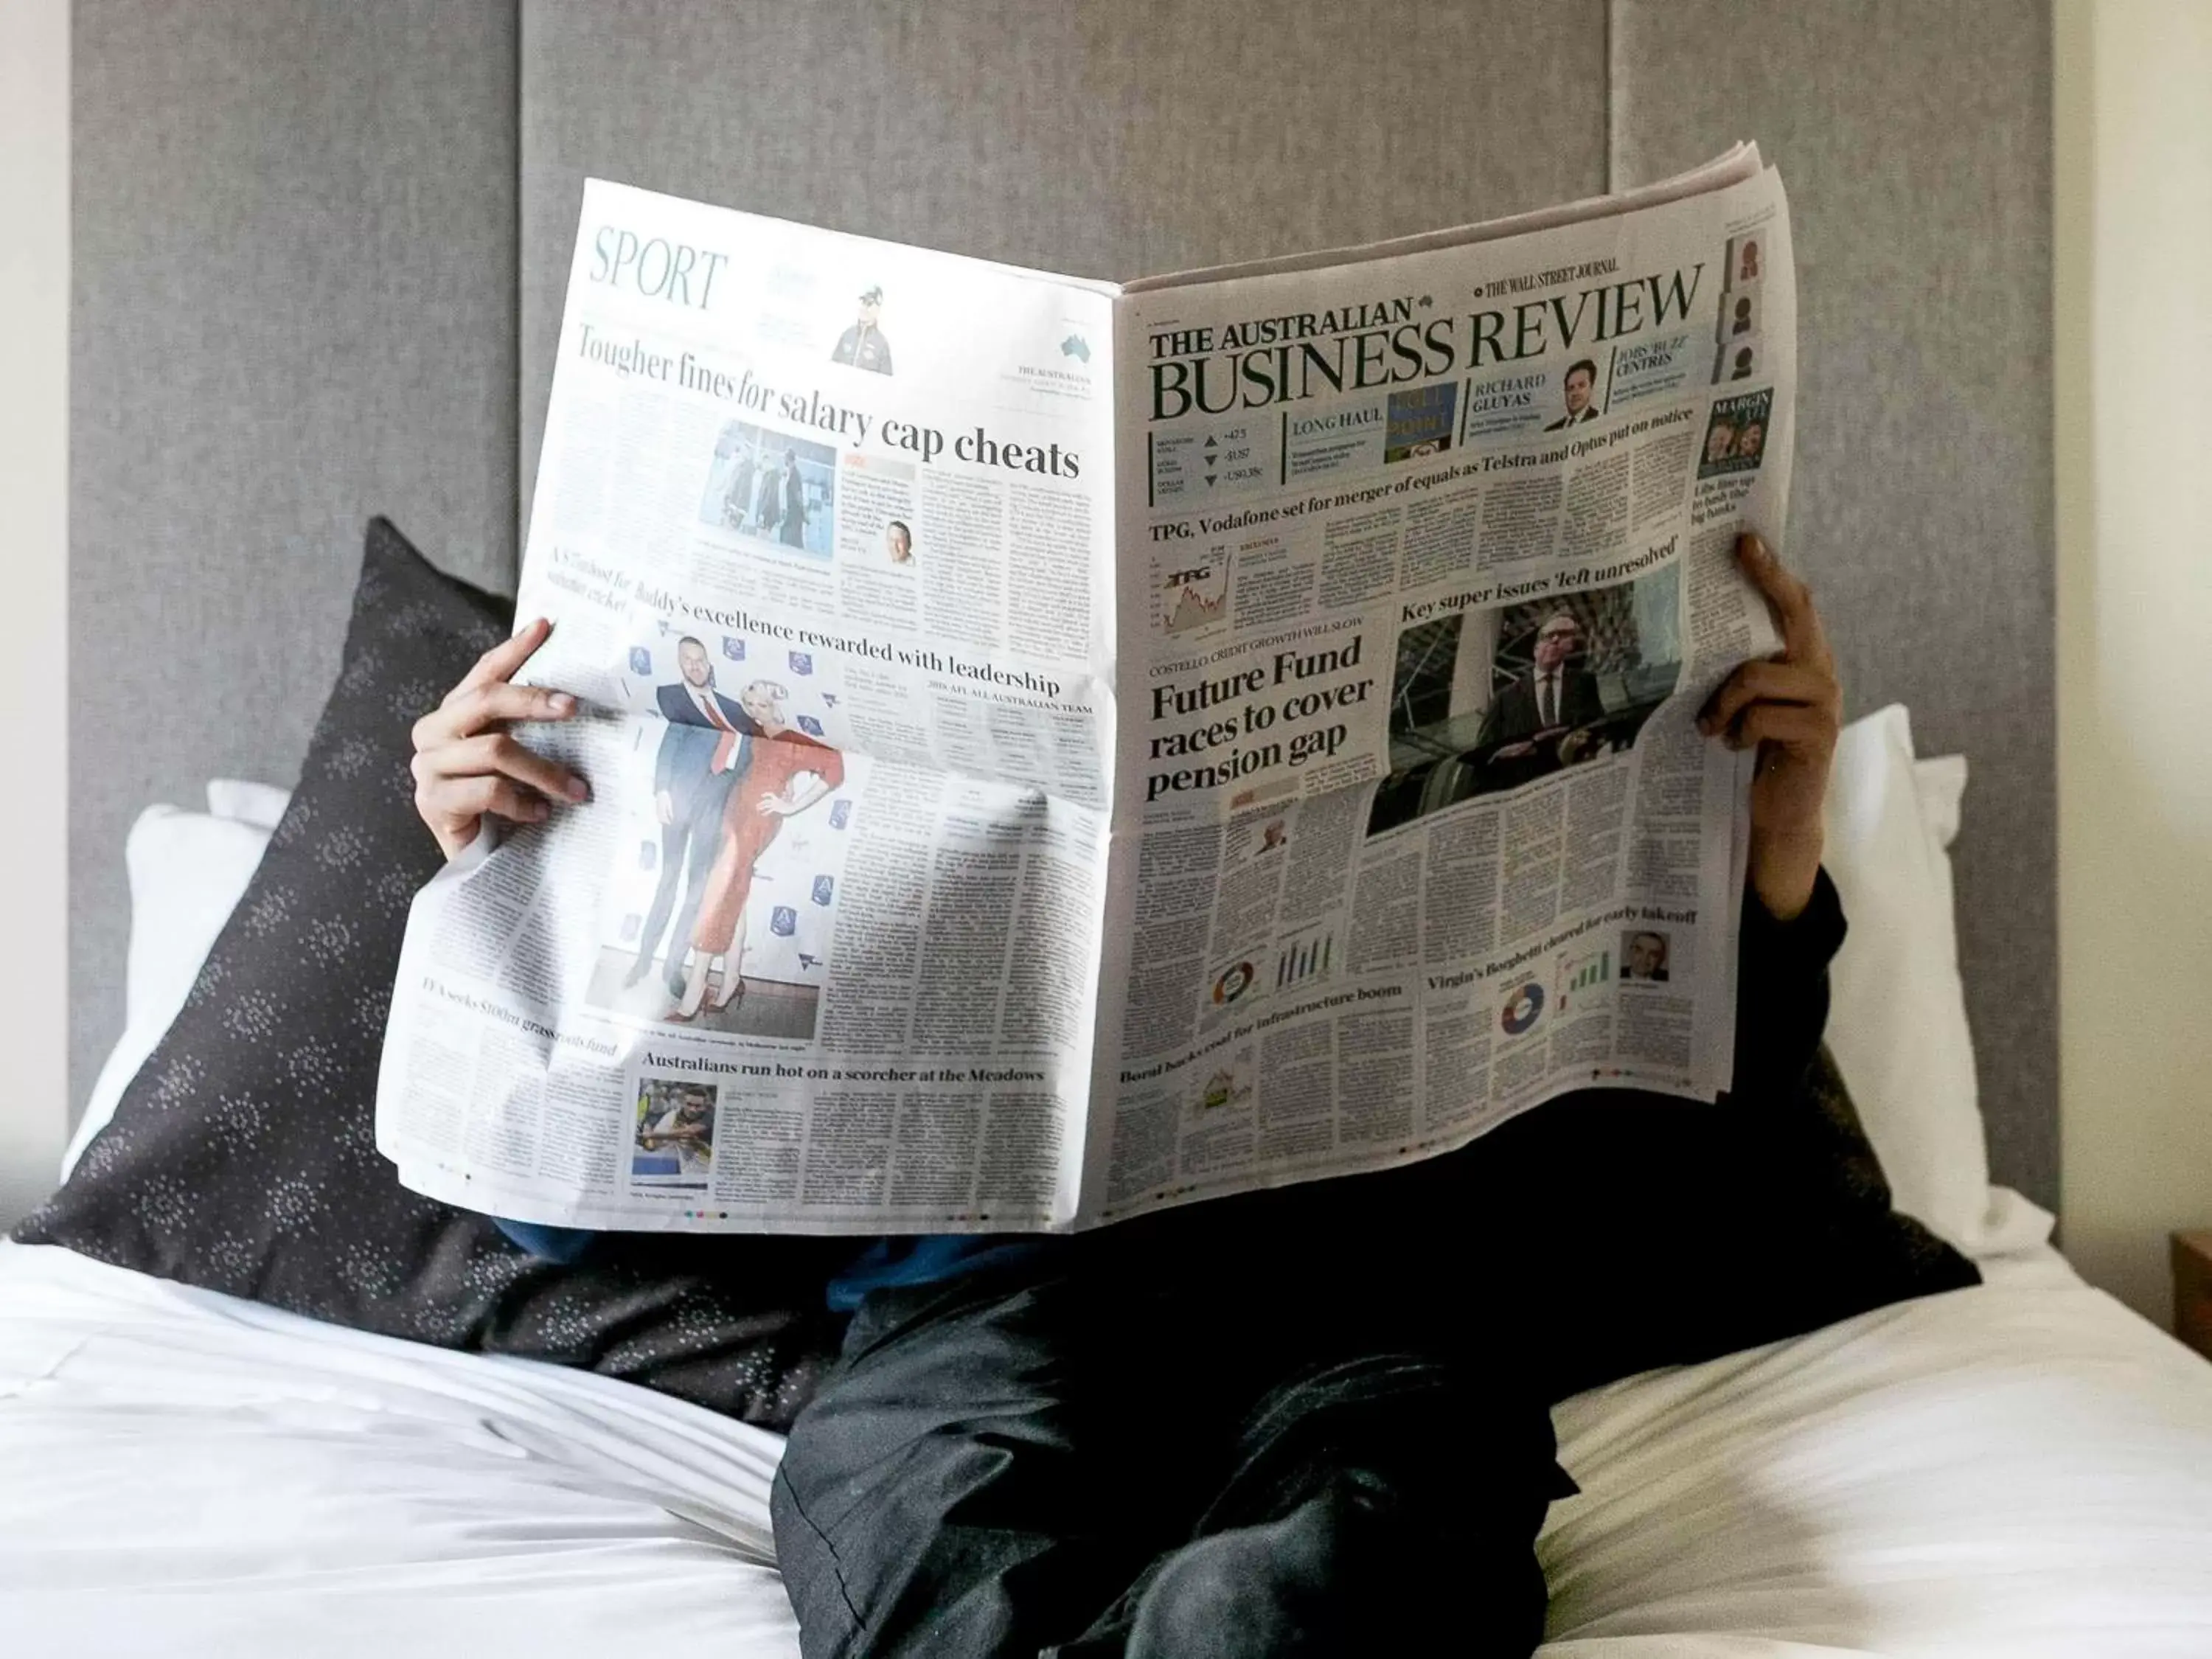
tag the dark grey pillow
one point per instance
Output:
(243, 1156)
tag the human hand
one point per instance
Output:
(782, 806)
(466, 765)
(1790, 707)
(665, 804)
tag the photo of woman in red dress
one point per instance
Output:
(789, 773)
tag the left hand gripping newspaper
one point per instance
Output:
(1059, 749)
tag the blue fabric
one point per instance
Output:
(563, 1244)
(921, 1259)
(885, 1262)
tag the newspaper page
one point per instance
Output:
(1058, 751)
(1427, 567)
(825, 529)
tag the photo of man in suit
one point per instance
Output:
(705, 749)
(1556, 695)
(1581, 381)
(1483, 701)
(1644, 956)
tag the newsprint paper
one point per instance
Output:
(1062, 748)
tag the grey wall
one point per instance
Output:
(1915, 140)
(293, 287)
(320, 252)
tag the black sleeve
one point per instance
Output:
(1782, 991)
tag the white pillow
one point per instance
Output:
(188, 871)
(1897, 1022)
(257, 804)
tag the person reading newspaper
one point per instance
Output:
(1313, 1419)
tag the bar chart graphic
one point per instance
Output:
(1303, 957)
(1583, 975)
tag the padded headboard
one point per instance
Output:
(320, 252)
(292, 297)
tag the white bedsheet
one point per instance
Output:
(2021, 1470)
(186, 1474)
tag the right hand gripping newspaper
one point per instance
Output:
(1062, 749)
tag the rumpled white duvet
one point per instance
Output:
(2020, 1470)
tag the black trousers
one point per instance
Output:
(1316, 1420)
(687, 851)
(1096, 1453)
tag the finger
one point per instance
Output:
(497, 753)
(458, 801)
(1804, 638)
(500, 662)
(1774, 682)
(469, 709)
(1790, 724)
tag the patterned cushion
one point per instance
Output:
(243, 1158)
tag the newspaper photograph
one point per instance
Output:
(1059, 749)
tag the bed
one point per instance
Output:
(345, 228)
(2018, 1470)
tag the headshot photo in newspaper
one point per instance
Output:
(1738, 316)
(772, 489)
(1487, 700)
(1643, 954)
(1578, 393)
(738, 810)
(1746, 263)
(1738, 360)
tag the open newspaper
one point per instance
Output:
(1062, 749)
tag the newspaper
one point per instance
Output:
(1062, 749)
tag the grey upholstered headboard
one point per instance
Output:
(319, 250)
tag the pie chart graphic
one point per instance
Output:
(1524, 1007)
